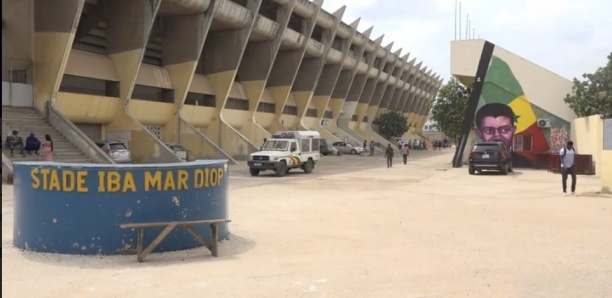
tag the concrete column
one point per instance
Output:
(327, 83)
(394, 88)
(128, 26)
(423, 100)
(416, 99)
(414, 74)
(183, 40)
(432, 92)
(342, 108)
(401, 89)
(311, 70)
(376, 101)
(408, 98)
(223, 52)
(381, 87)
(285, 69)
(55, 24)
(367, 95)
(339, 96)
(255, 70)
(356, 97)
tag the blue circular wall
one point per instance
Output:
(77, 209)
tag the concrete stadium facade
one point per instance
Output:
(216, 76)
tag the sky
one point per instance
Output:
(567, 37)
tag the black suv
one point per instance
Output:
(490, 156)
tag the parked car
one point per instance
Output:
(326, 148)
(347, 148)
(490, 156)
(179, 151)
(116, 150)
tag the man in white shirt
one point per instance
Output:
(567, 156)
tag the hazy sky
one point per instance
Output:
(568, 37)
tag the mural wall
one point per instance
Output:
(506, 114)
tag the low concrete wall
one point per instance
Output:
(77, 209)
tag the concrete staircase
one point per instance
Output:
(28, 120)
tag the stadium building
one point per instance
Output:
(215, 76)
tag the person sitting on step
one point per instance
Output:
(14, 141)
(32, 144)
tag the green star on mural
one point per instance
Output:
(516, 118)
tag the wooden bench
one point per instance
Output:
(169, 226)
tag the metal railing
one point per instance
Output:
(199, 152)
(7, 164)
(74, 135)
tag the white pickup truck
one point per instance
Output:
(287, 150)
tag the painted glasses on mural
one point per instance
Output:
(504, 114)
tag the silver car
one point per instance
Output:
(116, 150)
(347, 148)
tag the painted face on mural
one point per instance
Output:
(495, 123)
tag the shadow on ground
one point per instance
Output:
(229, 250)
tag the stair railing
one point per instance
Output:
(74, 135)
(219, 153)
(7, 163)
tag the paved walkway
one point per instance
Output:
(354, 228)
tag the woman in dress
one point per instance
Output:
(48, 148)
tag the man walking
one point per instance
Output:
(389, 156)
(405, 152)
(372, 147)
(567, 156)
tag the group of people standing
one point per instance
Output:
(31, 146)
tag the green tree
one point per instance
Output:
(449, 108)
(392, 124)
(593, 94)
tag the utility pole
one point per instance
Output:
(456, 19)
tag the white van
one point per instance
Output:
(285, 151)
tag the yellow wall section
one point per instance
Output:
(335, 104)
(84, 108)
(310, 122)
(320, 102)
(221, 129)
(236, 118)
(587, 134)
(198, 116)
(141, 144)
(606, 170)
(221, 83)
(255, 125)
(253, 90)
(126, 66)
(195, 144)
(150, 113)
(51, 51)
(302, 100)
(181, 75)
(280, 95)
(288, 122)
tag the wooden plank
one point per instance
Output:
(215, 236)
(155, 242)
(176, 223)
(140, 239)
(198, 237)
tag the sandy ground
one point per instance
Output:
(354, 228)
